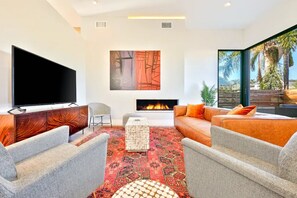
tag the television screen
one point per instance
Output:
(39, 81)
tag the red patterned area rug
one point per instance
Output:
(164, 161)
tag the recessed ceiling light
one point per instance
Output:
(95, 2)
(227, 4)
(157, 17)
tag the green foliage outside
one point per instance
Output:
(272, 73)
(208, 95)
(272, 80)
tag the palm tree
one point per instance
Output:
(288, 43)
(258, 54)
(272, 78)
(229, 62)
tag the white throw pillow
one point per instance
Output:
(7, 165)
(287, 160)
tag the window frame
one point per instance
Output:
(245, 67)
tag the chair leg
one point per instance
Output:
(90, 121)
(101, 120)
(110, 120)
(93, 123)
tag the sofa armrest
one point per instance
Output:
(244, 144)
(218, 161)
(81, 163)
(179, 110)
(93, 143)
(7, 188)
(39, 143)
(274, 129)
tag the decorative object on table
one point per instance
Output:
(145, 188)
(208, 95)
(134, 70)
(137, 136)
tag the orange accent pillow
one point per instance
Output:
(195, 111)
(248, 110)
(234, 109)
(252, 112)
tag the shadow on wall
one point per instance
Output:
(5, 76)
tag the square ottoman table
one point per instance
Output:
(137, 134)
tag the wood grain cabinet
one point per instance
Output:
(14, 128)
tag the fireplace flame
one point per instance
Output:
(157, 106)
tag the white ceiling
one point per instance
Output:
(202, 14)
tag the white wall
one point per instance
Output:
(187, 58)
(5, 73)
(271, 23)
(35, 26)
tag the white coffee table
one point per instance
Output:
(137, 135)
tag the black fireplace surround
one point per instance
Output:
(155, 104)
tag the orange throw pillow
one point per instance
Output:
(248, 110)
(234, 109)
(252, 112)
(195, 111)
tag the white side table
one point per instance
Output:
(145, 189)
(137, 135)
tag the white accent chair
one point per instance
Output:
(46, 165)
(240, 166)
(99, 110)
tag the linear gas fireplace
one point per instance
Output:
(155, 104)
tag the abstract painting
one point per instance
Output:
(134, 70)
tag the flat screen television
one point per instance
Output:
(39, 81)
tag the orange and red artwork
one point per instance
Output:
(134, 70)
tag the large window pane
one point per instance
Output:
(229, 78)
(273, 73)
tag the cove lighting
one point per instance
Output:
(228, 4)
(157, 17)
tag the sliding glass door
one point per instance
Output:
(264, 75)
(229, 78)
(273, 72)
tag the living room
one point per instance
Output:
(189, 51)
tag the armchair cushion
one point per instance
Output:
(288, 160)
(7, 165)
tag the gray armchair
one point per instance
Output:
(99, 110)
(240, 166)
(47, 165)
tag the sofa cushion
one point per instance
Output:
(209, 112)
(287, 160)
(180, 110)
(195, 129)
(7, 165)
(42, 163)
(195, 111)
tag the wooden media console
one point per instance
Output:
(14, 128)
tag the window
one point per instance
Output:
(264, 75)
(229, 78)
(273, 72)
